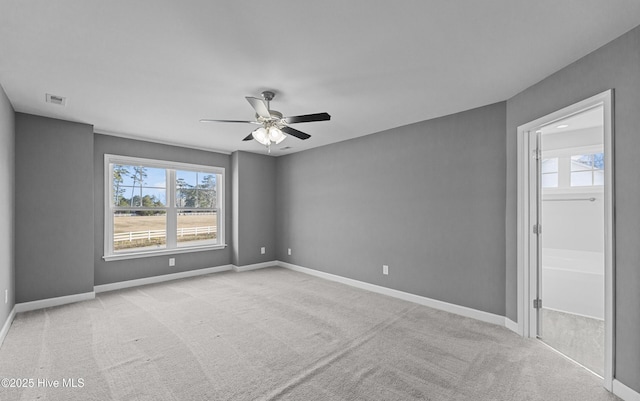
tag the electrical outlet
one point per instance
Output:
(289, 251)
(172, 261)
(385, 269)
(263, 250)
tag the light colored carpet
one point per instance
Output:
(274, 334)
(579, 337)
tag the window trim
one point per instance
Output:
(171, 245)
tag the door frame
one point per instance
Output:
(526, 273)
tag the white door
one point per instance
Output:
(565, 232)
(570, 237)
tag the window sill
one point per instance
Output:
(161, 252)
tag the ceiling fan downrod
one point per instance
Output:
(268, 97)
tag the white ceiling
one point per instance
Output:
(591, 118)
(151, 69)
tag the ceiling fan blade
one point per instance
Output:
(307, 118)
(295, 132)
(227, 121)
(248, 137)
(259, 106)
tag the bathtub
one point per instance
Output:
(573, 282)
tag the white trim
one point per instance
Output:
(255, 266)
(108, 193)
(525, 276)
(609, 246)
(418, 299)
(172, 215)
(511, 325)
(162, 252)
(7, 325)
(176, 276)
(159, 279)
(57, 301)
(170, 208)
(522, 224)
(624, 392)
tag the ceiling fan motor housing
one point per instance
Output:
(275, 115)
(268, 95)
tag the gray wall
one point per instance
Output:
(617, 66)
(254, 209)
(130, 269)
(54, 208)
(426, 199)
(7, 188)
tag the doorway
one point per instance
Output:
(565, 244)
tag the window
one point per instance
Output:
(587, 170)
(550, 173)
(196, 200)
(573, 169)
(157, 207)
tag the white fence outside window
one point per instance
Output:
(149, 234)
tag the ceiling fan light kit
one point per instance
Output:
(273, 124)
(268, 136)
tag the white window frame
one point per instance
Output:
(171, 208)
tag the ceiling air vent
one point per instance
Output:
(55, 99)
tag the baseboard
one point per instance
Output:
(624, 392)
(432, 303)
(511, 325)
(255, 266)
(159, 279)
(7, 325)
(49, 302)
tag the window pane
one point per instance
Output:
(598, 177)
(598, 161)
(550, 165)
(139, 186)
(139, 230)
(197, 228)
(550, 180)
(195, 189)
(581, 162)
(581, 178)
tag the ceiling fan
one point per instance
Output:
(272, 124)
